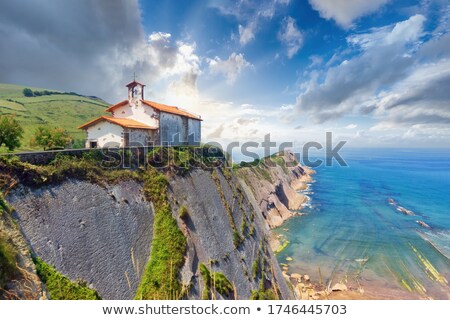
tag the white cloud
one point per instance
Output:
(353, 83)
(90, 48)
(286, 107)
(231, 67)
(397, 77)
(176, 58)
(247, 33)
(250, 14)
(290, 36)
(344, 12)
(315, 61)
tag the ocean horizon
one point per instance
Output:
(380, 225)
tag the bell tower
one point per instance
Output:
(135, 92)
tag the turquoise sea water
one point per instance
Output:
(351, 232)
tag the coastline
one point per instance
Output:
(281, 192)
(275, 185)
(304, 287)
(308, 284)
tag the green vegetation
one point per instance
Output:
(60, 287)
(64, 167)
(267, 294)
(160, 279)
(27, 92)
(283, 246)
(260, 166)
(216, 280)
(4, 206)
(57, 109)
(8, 254)
(256, 267)
(50, 139)
(262, 293)
(184, 213)
(237, 238)
(10, 132)
(183, 159)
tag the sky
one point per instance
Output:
(374, 73)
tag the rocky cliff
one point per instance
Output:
(98, 228)
(272, 185)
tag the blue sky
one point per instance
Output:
(375, 73)
(288, 49)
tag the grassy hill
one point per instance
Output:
(57, 109)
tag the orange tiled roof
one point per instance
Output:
(133, 83)
(123, 122)
(117, 105)
(171, 109)
(158, 106)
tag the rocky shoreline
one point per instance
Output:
(274, 186)
(277, 191)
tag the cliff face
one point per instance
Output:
(273, 186)
(101, 234)
(218, 210)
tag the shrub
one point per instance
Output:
(56, 138)
(7, 260)
(27, 92)
(10, 132)
(184, 213)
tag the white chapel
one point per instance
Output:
(139, 122)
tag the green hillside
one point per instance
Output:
(55, 109)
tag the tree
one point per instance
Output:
(10, 132)
(56, 138)
(27, 92)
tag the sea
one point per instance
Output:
(380, 225)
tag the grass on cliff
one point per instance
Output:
(186, 158)
(8, 260)
(86, 167)
(60, 287)
(263, 293)
(160, 278)
(8, 254)
(216, 280)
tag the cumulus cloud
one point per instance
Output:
(344, 12)
(250, 14)
(84, 46)
(354, 82)
(247, 33)
(290, 36)
(397, 76)
(315, 61)
(229, 68)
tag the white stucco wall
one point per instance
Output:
(105, 133)
(141, 113)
